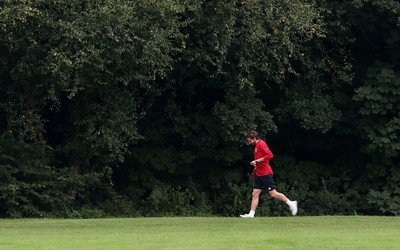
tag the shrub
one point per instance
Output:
(166, 200)
(30, 187)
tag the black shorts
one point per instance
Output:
(264, 182)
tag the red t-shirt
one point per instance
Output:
(261, 150)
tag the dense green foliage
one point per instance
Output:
(30, 187)
(128, 108)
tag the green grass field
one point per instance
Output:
(332, 232)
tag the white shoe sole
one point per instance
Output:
(246, 216)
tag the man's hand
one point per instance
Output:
(254, 163)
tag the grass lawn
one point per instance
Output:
(324, 232)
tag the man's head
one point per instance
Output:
(252, 137)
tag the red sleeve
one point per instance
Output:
(266, 153)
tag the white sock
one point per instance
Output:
(252, 212)
(288, 202)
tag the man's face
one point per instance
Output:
(251, 141)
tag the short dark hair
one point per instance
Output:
(253, 135)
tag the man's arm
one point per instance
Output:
(266, 155)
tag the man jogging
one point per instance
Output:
(263, 175)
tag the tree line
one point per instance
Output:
(139, 108)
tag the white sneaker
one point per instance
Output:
(247, 215)
(293, 207)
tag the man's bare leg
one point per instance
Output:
(279, 196)
(255, 197)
